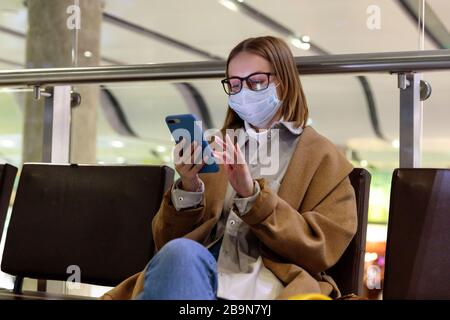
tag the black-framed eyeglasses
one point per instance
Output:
(256, 81)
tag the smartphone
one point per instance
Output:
(187, 126)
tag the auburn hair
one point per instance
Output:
(277, 53)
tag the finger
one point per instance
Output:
(182, 169)
(229, 142)
(187, 158)
(230, 148)
(192, 147)
(182, 145)
(185, 166)
(239, 155)
(177, 154)
(220, 143)
(226, 158)
(222, 157)
(218, 139)
(224, 146)
(177, 151)
(196, 168)
(194, 144)
(181, 141)
(218, 157)
(197, 154)
(181, 148)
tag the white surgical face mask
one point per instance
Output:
(256, 107)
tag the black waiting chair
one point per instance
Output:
(7, 176)
(348, 272)
(418, 243)
(96, 218)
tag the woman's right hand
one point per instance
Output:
(186, 166)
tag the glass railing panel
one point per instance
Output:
(436, 116)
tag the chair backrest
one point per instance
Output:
(348, 272)
(7, 177)
(95, 219)
(418, 243)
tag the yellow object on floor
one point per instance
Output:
(310, 296)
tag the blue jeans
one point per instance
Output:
(182, 270)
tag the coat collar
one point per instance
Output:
(291, 183)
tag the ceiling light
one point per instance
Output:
(117, 144)
(363, 163)
(296, 42)
(120, 160)
(396, 144)
(88, 54)
(229, 5)
(161, 149)
(299, 44)
(306, 39)
(240, 1)
(305, 46)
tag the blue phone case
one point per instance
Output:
(187, 122)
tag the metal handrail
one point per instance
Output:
(391, 62)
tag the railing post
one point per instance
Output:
(57, 125)
(410, 120)
(57, 119)
(56, 148)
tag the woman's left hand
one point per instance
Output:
(235, 167)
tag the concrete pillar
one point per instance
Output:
(52, 25)
(50, 41)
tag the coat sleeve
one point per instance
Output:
(169, 224)
(314, 239)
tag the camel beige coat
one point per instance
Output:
(304, 229)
